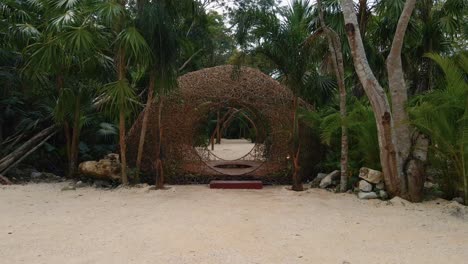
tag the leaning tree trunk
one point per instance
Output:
(334, 45)
(403, 175)
(144, 123)
(377, 98)
(22, 151)
(410, 170)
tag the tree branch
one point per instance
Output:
(190, 59)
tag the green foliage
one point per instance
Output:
(442, 114)
(120, 97)
(362, 134)
(134, 45)
(56, 54)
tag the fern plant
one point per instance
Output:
(362, 134)
(442, 114)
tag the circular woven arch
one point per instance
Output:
(268, 103)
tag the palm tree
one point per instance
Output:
(69, 46)
(162, 39)
(164, 35)
(129, 48)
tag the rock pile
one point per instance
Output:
(371, 185)
(324, 180)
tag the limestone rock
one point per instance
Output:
(321, 175)
(458, 200)
(367, 195)
(365, 186)
(370, 175)
(380, 186)
(328, 180)
(35, 174)
(383, 195)
(141, 185)
(68, 188)
(316, 182)
(80, 184)
(429, 185)
(107, 168)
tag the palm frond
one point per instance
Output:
(135, 46)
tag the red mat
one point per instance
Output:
(236, 185)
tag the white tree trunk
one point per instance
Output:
(393, 127)
(334, 45)
(377, 98)
(399, 94)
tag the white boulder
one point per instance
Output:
(370, 175)
(365, 186)
(328, 180)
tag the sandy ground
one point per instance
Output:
(39, 223)
(232, 149)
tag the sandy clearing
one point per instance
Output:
(193, 224)
(232, 149)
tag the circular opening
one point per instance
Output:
(227, 133)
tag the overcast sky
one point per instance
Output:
(220, 10)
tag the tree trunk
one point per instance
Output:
(4, 180)
(73, 162)
(410, 171)
(403, 172)
(334, 45)
(218, 135)
(123, 147)
(223, 121)
(159, 158)
(144, 123)
(377, 98)
(29, 152)
(363, 16)
(122, 143)
(20, 152)
(295, 153)
(66, 127)
(1, 132)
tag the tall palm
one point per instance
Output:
(164, 36)
(69, 46)
(130, 48)
(162, 39)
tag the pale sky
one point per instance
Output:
(220, 10)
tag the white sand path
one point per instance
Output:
(232, 149)
(193, 224)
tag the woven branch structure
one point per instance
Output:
(263, 99)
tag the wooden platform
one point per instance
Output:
(233, 167)
(236, 185)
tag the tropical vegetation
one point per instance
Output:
(387, 80)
